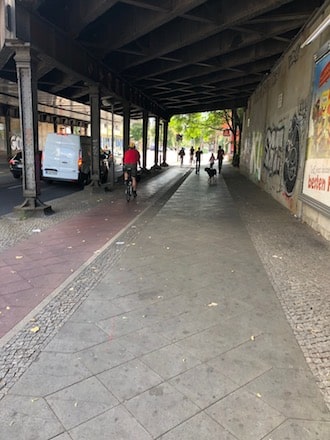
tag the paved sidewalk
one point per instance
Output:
(184, 325)
(39, 254)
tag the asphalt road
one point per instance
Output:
(11, 192)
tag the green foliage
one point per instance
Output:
(136, 131)
(197, 128)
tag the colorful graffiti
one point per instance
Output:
(283, 152)
(256, 155)
(291, 157)
(275, 159)
(274, 151)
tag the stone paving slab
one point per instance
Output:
(43, 260)
(197, 344)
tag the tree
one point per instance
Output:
(136, 131)
(234, 119)
(193, 127)
(213, 126)
(187, 126)
(208, 127)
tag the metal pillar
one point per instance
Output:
(126, 126)
(157, 122)
(7, 131)
(165, 135)
(94, 96)
(112, 162)
(145, 139)
(28, 108)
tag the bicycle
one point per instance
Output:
(129, 185)
(130, 192)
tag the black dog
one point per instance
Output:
(212, 174)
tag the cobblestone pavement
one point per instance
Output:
(296, 259)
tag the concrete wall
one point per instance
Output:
(276, 130)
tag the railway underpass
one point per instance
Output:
(200, 310)
(142, 60)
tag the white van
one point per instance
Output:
(66, 157)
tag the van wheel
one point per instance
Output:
(83, 180)
(81, 183)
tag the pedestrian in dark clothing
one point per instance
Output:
(181, 155)
(198, 155)
(192, 151)
(220, 155)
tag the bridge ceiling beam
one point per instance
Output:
(184, 32)
(75, 61)
(151, 52)
(217, 45)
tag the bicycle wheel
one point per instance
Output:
(129, 191)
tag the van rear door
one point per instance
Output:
(60, 158)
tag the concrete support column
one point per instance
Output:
(165, 136)
(94, 96)
(28, 107)
(145, 138)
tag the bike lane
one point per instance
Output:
(35, 267)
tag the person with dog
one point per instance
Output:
(198, 155)
(220, 155)
(131, 160)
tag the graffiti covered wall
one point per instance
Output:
(277, 127)
(273, 148)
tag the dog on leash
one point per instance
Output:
(212, 174)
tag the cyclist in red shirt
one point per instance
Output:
(131, 160)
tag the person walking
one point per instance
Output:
(181, 155)
(192, 151)
(131, 161)
(220, 155)
(212, 160)
(198, 155)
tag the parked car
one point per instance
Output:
(16, 165)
